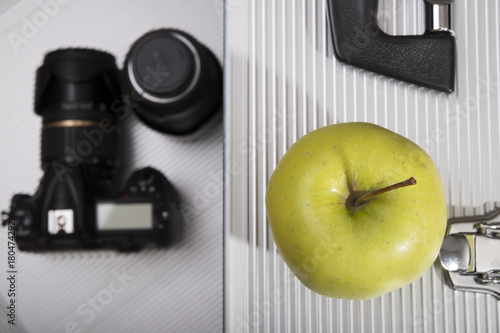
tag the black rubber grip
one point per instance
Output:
(427, 60)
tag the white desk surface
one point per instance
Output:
(174, 290)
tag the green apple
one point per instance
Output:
(337, 222)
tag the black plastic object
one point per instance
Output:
(175, 83)
(427, 60)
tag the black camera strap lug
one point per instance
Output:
(5, 218)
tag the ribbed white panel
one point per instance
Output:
(282, 81)
(170, 290)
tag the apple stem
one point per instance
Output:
(358, 202)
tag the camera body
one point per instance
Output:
(79, 202)
(66, 213)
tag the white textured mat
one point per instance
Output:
(284, 82)
(174, 290)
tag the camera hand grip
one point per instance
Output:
(427, 60)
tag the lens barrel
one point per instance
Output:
(76, 93)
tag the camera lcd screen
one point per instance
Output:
(124, 216)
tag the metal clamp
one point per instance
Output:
(470, 254)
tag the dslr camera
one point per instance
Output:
(79, 203)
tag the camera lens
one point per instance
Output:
(76, 92)
(174, 80)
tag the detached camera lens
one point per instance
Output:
(75, 91)
(174, 82)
